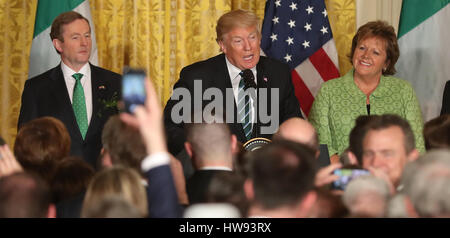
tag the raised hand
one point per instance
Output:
(8, 163)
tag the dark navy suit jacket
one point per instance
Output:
(198, 184)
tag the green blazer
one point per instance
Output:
(339, 102)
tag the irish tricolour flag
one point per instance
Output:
(43, 55)
(424, 36)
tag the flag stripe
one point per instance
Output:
(310, 52)
(302, 93)
(424, 61)
(331, 51)
(47, 10)
(43, 55)
(311, 78)
(324, 65)
(412, 16)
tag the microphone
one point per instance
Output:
(249, 79)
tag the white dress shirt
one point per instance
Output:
(85, 82)
(234, 71)
(155, 160)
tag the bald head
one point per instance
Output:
(298, 130)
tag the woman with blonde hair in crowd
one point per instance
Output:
(116, 182)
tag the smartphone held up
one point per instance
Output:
(133, 89)
(345, 176)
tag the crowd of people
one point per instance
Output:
(364, 150)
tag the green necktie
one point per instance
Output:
(79, 105)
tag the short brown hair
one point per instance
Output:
(381, 122)
(72, 176)
(384, 31)
(208, 139)
(436, 132)
(123, 143)
(357, 135)
(61, 20)
(40, 143)
(24, 195)
(282, 173)
(236, 18)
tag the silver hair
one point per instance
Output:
(366, 187)
(427, 183)
(397, 207)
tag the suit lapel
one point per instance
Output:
(261, 77)
(97, 84)
(261, 83)
(224, 82)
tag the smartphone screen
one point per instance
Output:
(345, 176)
(2, 142)
(133, 89)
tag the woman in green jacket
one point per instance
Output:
(368, 88)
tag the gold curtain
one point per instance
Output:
(161, 36)
(16, 34)
(342, 16)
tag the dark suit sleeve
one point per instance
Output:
(161, 193)
(28, 109)
(175, 131)
(446, 99)
(289, 105)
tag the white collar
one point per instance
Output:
(234, 71)
(85, 70)
(224, 168)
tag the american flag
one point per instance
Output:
(298, 33)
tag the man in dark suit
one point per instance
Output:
(241, 66)
(211, 148)
(79, 94)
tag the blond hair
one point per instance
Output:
(234, 19)
(116, 181)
